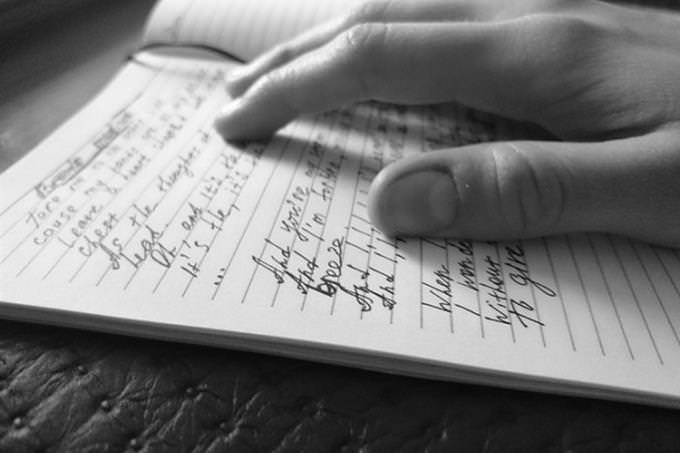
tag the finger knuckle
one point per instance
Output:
(560, 32)
(272, 82)
(531, 196)
(365, 40)
(283, 53)
(546, 53)
(551, 39)
(273, 78)
(559, 5)
(372, 11)
(363, 45)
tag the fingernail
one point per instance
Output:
(421, 202)
(225, 119)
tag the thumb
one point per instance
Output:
(514, 190)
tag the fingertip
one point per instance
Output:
(412, 202)
(243, 77)
(251, 118)
(228, 122)
(238, 81)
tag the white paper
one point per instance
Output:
(136, 217)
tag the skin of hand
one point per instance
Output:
(603, 78)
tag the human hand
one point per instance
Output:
(604, 78)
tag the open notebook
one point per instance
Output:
(136, 218)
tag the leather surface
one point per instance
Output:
(69, 390)
(64, 390)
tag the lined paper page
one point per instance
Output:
(242, 28)
(136, 217)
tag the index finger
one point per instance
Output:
(489, 66)
(375, 11)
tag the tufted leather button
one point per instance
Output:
(105, 405)
(17, 423)
(135, 444)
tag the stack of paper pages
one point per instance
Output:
(136, 217)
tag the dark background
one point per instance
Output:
(68, 390)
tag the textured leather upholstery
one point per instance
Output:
(67, 390)
(64, 390)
